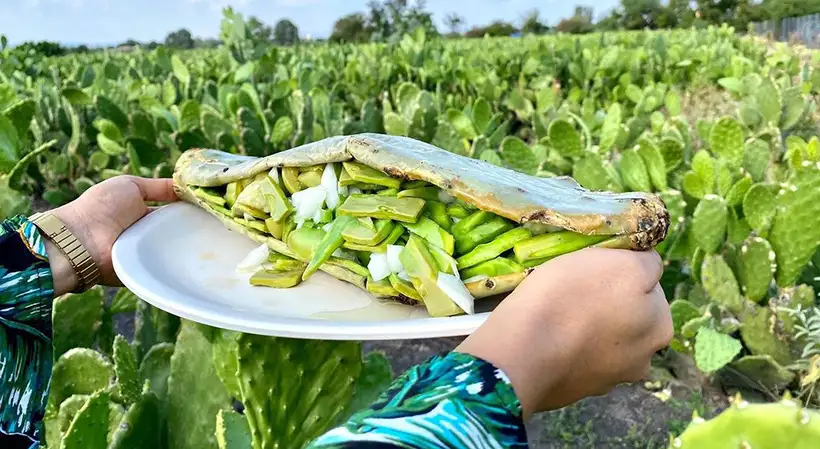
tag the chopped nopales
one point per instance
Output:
(405, 287)
(308, 203)
(437, 212)
(491, 268)
(310, 178)
(553, 244)
(354, 191)
(385, 207)
(393, 261)
(331, 186)
(253, 195)
(359, 233)
(378, 267)
(445, 197)
(491, 250)
(290, 177)
(304, 241)
(277, 279)
(454, 288)
(210, 196)
(379, 248)
(445, 262)
(404, 276)
(381, 289)
(482, 234)
(254, 260)
(331, 241)
(369, 175)
(477, 278)
(473, 221)
(278, 204)
(425, 193)
(433, 233)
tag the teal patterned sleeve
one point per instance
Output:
(26, 292)
(455, 401)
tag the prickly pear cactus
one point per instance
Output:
(759, 207)
(784, 424)
(280, 414)
(156, 367)
(762, 336)
(89, 428)
(591, 173)
(765, 370)
(195, 393)
(79, 371)
(125, 366)
(709, 223)
(564, 138)
(756, 267)
(726, 139)
(517, 155)
(77, 318)
(768, 101)
(634, 172)
(224, 355)
(721, 285)
(655, 165)
(795, 235)
(756, 158)
(142, 425)
(232, 431)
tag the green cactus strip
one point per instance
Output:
(795, 235)
(89, 429)
(756, 267)
(125, 366)
(195, 393)
(721, 285)
(726, 140)
(76, 318)
(232, 431)
(156, 367)
(285, 411)
(142, 426)
(709, 223)
(759, 207)
(756, 426)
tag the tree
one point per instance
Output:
(180, 39)
(532, 24)
(285, 33)
(495, 29)
(454, 22)
(579, 23)
(350, 28)
(392, 18)
(260, 32)
(639, 14)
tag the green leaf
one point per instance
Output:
(75, 96)
(704, 165)
(682, 311)
(794, 234)
(756, 159)
(565, 139)
(738, 191)
(492, 157)
(461, 123)
(125, 365)
(180, 71)
(9, 145)
(673, 103)
(189, 115)
(282, 130)
(142, 425)
(395, 125)
(108, 110)
(482, 112)
(655, 165)
(732, 84)
(124, 301)
(78, 371)
(76, 319)
(634, 172)
(109, 129)
(672, 151)
(20, 115)
(709, 223)
(756, 267)
(89, 429)
(714, 350)
(517, 155)
(16, 174)
(611, 127)
(232, 431)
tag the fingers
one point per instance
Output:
(156, 189)
(646, 267)
(663, 329)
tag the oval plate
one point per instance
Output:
(182, 260)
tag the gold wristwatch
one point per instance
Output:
(88, 274)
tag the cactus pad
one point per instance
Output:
(714, 350)
(89, 428)
(232, 431)
(758, 333)
(156, 367)
(590, 172)
(754, 426)
(709, 223)
(759, 207)
(756, 267)
(683, 311)
(795, 235)
(610, 128)
(517, 155)
(655, 164)
(756, 158)
(142, 426)
(77, 318)
(726, 140)
(738, 191)
(765, 370)
(375, 378)
(721, 285)
(695, 186)
(768, 101)
(634, 171)
(564, 138)
(224, 355)
(286, 411)
(125, 366)
(79, 371)
(195, 393)
(672, 151)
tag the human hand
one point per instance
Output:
(98, 217)
(578, 326)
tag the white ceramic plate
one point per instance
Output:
(183, 260)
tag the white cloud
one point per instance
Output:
(217, 5)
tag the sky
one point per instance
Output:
(107, 22)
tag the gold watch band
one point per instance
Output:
(88, 274)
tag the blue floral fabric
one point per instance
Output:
(26, 292)
(455, 401)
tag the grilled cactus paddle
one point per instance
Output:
(349, 205)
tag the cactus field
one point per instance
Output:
(723, 127)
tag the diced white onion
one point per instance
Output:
(331, 186)
(403, 275)
(393, 261)
(326, 228)
(308, 203)
(445, 197)
(455, 219)
(343, 190)
(344, 254)
(249, 217)
(354, 190)
(443, 254)
(317, 217)
(455, 289)
(274, 174)
(378, 266)
(476, 278)
(254, 260)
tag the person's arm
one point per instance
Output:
(577, 326)
(33, 271)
